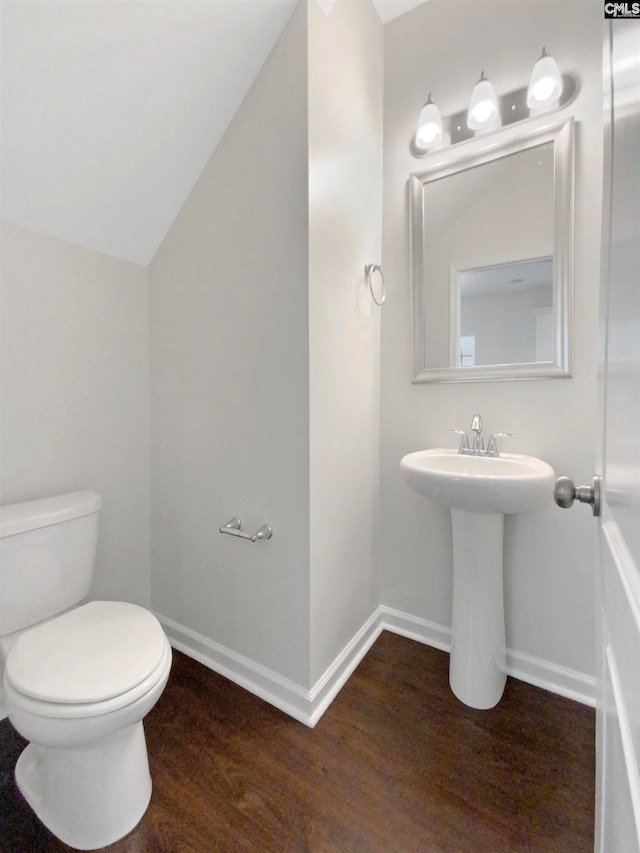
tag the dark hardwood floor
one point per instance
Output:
(395, 764)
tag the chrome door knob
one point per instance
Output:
(565, 492)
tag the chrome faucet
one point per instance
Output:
(477, 446)
(478, 442)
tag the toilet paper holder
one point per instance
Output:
(234, 528)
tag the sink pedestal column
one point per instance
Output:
(477, 668)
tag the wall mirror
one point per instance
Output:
(491, 257)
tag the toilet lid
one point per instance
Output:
(93, 653)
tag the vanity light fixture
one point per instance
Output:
(483, 108)
(548, 90)
(545, 86)
(429, 132)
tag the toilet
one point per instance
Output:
(78, 678)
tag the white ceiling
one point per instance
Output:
(111, 108)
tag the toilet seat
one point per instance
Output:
(89, 661)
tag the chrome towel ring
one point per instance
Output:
(369, 271)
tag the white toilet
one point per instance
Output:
(77, 679)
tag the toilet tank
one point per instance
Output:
(47, 556)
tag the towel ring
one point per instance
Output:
(369, 271)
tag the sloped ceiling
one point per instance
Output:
(111, 108)
(390, 9)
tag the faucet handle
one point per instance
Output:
(492, 447)
(464, 441)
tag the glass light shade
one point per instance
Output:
(545, 86)
(429, 132)
(483, 108)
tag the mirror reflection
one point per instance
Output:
(491, 258)
(503, 314)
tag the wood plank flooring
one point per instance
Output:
(395, 764)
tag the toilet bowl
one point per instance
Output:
(78, 678)
(77, 687)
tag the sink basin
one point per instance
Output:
(505, 484)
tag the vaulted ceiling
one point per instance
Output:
(111, 108)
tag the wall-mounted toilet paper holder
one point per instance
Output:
(234, 528)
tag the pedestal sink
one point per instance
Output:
(479, 490)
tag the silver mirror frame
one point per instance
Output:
(475, 152)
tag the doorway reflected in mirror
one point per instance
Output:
(504, 314)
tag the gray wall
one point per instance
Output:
(230, 381)
(265, 360)
(441, 47)
(345, 216)
(75, 393)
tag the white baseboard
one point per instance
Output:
(265, 683)
(308, 706)
(335, 677)
(553, 677)
(415, 628)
